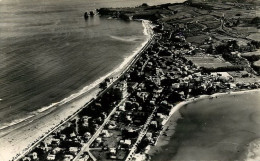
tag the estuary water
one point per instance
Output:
(48, 51)
(226, 128)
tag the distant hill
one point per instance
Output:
(234, 1)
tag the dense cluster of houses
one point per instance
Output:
(63, 144)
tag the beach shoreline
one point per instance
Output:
(43, 128)
(175, 115)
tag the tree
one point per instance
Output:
(255, 43)
(118, 95)
(124, 17)
(144, 5)
(255, 20)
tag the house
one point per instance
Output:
(147, 149)
(62, 136)
(231, 85)
(132, 86)
(55, 142)
(113, 156)
(103, 115)
(140, 108)
(68, 157)
(129, 118)
(51, 157)
(126, 143)
(56, 150)
(164, 102)
(46, 148)
(130, 133)
(149, 135)
(34, 156)
(222, 76)
(112, 151)
(122, 87)
(48, 140)
(156, 80)
(112, 125)
(152, 102)
(99, 140)
(27, 159)
(86, 158)
(142, 95)
(176, 86)
(121, 108)
(73, 150)
(154, 124)
(105, 133)
(72, 135)
(87, 135)
(158, 90)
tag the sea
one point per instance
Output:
(226, 128)
(49, 53)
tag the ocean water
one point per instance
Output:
(49, 52)
(226, 128)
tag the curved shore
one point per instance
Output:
(170, 142)
(30, 135)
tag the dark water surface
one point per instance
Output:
(219, 129)
(48, 51)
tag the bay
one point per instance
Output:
(224, 128)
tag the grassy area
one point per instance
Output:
(113, 141)
(102, 155)
(257, 65)
(249, 54)
(208, 61)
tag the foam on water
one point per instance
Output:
(253, 153)
(126, 39)
(17, 121)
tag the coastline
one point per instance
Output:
(72, 107)
(175, 115)
(117, 74)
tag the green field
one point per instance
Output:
(208, 61)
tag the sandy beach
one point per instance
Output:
(169, 129)
(17, 141)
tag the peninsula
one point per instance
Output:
(195, 48)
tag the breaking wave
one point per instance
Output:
(17, 121)
(253, 153)
(125, 39)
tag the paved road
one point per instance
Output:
(85, 147)
(141, 135)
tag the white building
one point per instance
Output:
(51, 157)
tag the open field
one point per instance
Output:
(257, 64)
(103, 155)
(208, 61)
(250, 54)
